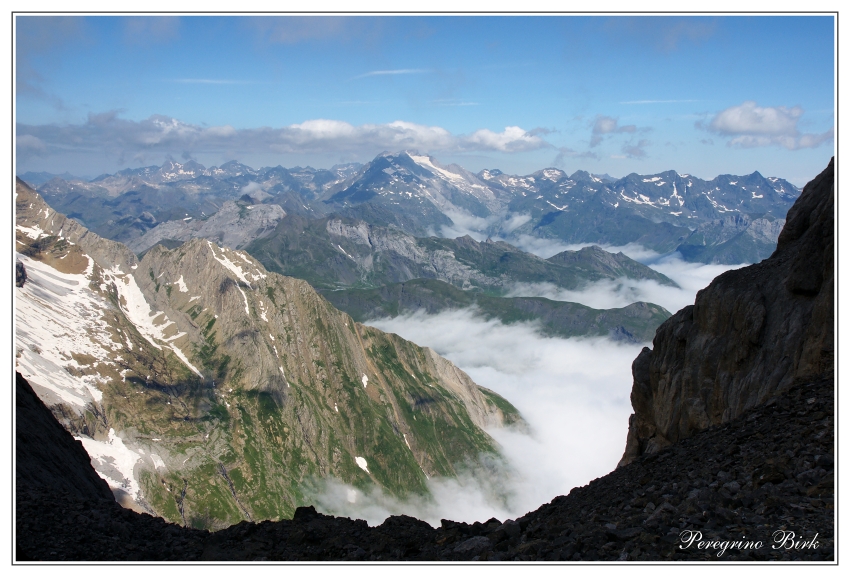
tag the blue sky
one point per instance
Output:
(700, 95)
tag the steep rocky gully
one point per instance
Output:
(730, 454)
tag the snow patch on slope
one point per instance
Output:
(114, 462)
(181, 285)
(425, 162)
(232, 266)
(58, 316)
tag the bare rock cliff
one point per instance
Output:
(750, 335)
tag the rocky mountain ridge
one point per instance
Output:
(750, 334)
(355, 253)
(415, 193)
(658, 211)
(634, 323)
(234, 226)
(208, 390)
(352, 262)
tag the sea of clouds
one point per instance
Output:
(573, 393)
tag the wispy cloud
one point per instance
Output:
(211, 81)
(357, 103)
(393, 72)
(151, 29)
(297, 29)
(636, 150)
(36, 38)
(658, 101)
(603, 125)
(665, 33)
(750, 125)
(452, 102)
(565, 153)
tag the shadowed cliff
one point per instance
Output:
(752, 333)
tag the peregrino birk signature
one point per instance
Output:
(779, 540)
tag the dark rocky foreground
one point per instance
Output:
(769, 470)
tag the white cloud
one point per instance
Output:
(514, 221)
(749, 118)
(30, 144)
(750, 125)
(464, 224)
(108, 134)
(251, 187)
(604, 125)
(479, 228)
(574, 393)
(511, 139)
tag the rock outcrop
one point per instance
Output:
(234, 226)
(750, 335)
(20, 274)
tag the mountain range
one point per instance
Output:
(339, 255)
(728, 219)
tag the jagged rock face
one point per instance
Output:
(208, 390)
(336, 253)
(234, 226)
(750, 334)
